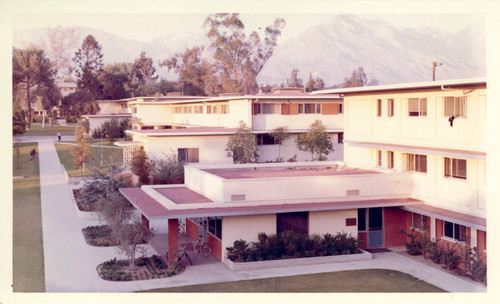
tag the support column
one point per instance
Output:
(473, 237)
(432, 234)
(173, 241)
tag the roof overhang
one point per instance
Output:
(448, 215)
(152, 209)
(454, 153)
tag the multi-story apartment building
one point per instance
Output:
(197, 130)
(436, 133)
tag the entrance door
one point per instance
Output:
(375, 228)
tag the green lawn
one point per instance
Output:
(37, 130)
(109, 156)
(28, 267)
(367, 280)
(104, 142)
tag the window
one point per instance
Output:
(455, 231)
(390, 107)
(266, 139)
(415, 162)
(417, 107)
(135, 110)
(379, 107)
(456, 168)
(310, 108)
(188, 155)
(341, 108)
(224, 109)
(340, 138)
(147, 128)
(390, 159)
(362, 219)
(455, 106)
(198, 109)
(297, 222)
(419, 221)
(215, 226)
(379, 158)
(270, 108)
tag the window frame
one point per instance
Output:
(422, 107)
(303, 218)
(379, 158)
(451, 168)
(379, 107)
(315, 107)
(390, 159)
(189, 155)
(390, 107)
(422, 222)
(456, 230)
(414, 161)
(459, 105)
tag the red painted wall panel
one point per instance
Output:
(192, 229)
(216, 245)
(363, 240)
(394, 220)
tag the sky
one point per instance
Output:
(144, 27)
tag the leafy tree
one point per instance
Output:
(317, 84)
(50, 96)
(30, 69)
(128, 232)
(280, 135)
(139, 166)
(57, 45)
(144, 69)
(80, 152)
(242, 146)
(18, 122)
(112, 129)
(238, 58)
(79, 103)
(168, 169)
(294, 81)
(358, 79)
(89, 62)
(115, 81)
(195, 73)
(316, 141)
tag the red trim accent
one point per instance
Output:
(394, 220)
(192, 229)
(216, 245)
(363, 240)
(173, 240)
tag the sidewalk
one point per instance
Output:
(70, 264)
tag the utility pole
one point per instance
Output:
(434, 64)
(310, 82)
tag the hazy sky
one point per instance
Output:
(143, 27)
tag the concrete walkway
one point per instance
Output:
(70, 264)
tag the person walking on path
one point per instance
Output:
(33, 154)
(59, 136)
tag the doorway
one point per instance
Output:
(370, 226)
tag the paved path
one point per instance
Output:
(70, 264)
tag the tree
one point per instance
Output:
(18, 122)
(144, 69)
(280, 135)
(116, 81)
(317, 84)
(294, 81)
(128, 232)
(79, 103)
(30, 69)
(358, 79)
(238, 59)
(50, 96)
(168, 169)
(139, 166)
(316, 141)
(242, 146)
(80, 152)
(89, 62)
(57, 46)
(195, 73)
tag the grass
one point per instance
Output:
(37, 130)
(367, 280)
(28, 265)
(104, 142)
(109, 156)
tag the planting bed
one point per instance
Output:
(99, 236)
(146, 268)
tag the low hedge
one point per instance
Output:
(290, 245)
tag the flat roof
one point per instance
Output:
(289, 171)
(406, 86)
(183, 195)
(108, 115)
(152, 209)
(449, 216)
(209, 131)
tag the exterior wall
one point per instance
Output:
(299, 121)
(432, 130)
(153, 114)
(394, 220)
(288, 149)
(322, 222)
(212, 149)
(246, 227)
(112, 108)
(467, 196)
(96, 122)
(239, 110)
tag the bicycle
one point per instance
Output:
(181, 228)
(202, 247)
(182, 253)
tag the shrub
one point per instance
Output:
(414, 245)
(433, 251)
(71, 119)
(239, 252)
(449, 258)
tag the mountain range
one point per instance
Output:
(331, 51)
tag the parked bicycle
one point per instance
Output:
(182, 253)
(202, 246)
